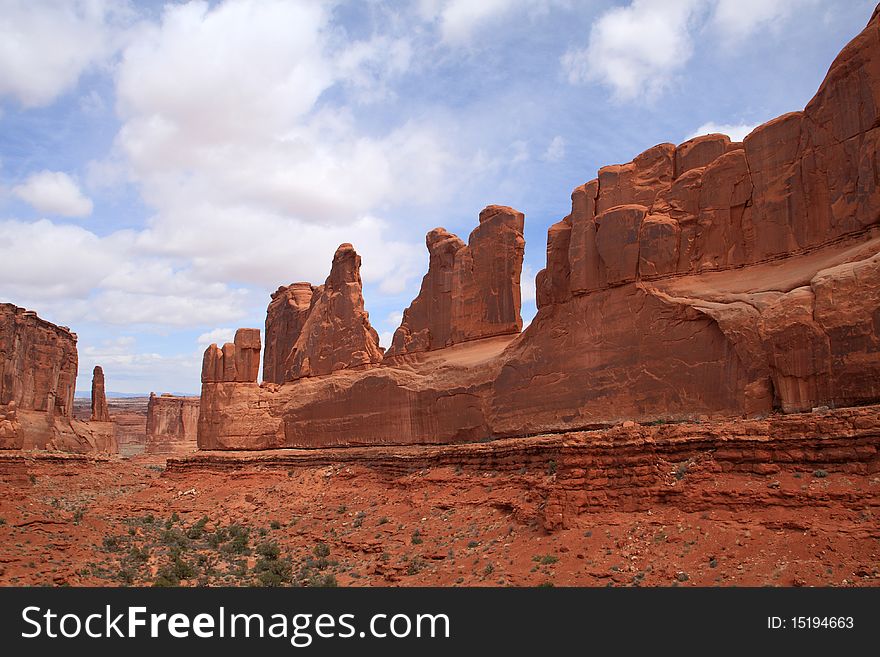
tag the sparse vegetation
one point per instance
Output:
(546, 559)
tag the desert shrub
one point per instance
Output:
(545, 559)
(111, 543)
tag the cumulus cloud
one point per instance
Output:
(735, 20)
(638, 49)
(253, 179)
(54, 192)
(216, 336)
(132, 371)
(555, 150)
(71, 273)
(45, 45)
(736, 131)
(459, 20)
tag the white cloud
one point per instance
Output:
(527, 284)
(736, 131)
(637, 49)
(128, 370)
(253, 179)
(459, 20)
(70, 273)
(216, 336)
(555, 150)
(736, 20)
(385, 338)
(54, 192)
(46, 45)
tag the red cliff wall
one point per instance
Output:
(705, 279)
(172, 424)
(38, 365)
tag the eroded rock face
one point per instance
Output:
(285, 318)
(236, 362)
(100, 411)
(711, 278)
(38, 361)
(172, 424)
(470, 291)
(38, 364)
(337, 333)
(427, 323)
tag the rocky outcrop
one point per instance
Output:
(38, 364)
(100, 411)
(172, 424)
(470, 291)
(237, 361)
(312, 331)
(285, 318)
(708, 279)
(337, 333)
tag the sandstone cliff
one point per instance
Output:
(285, 318)
(337, 333)
(711, 278)
(38, 365)
(172, 424)
(470, 291)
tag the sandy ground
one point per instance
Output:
(84, 522)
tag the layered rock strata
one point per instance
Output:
(38, 366)
(712, 278)
(470, 291)
(172, 424)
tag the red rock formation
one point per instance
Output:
(712, 278)
(172, 424)
(100, 411)
(427, 323)
(38, 363)
(129, 417)
(285, 318)
(236, 362)
(470, 292)
(337, 333)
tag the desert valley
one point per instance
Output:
(696, 402)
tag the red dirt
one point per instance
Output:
(766, 503)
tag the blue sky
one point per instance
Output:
(164, 167)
